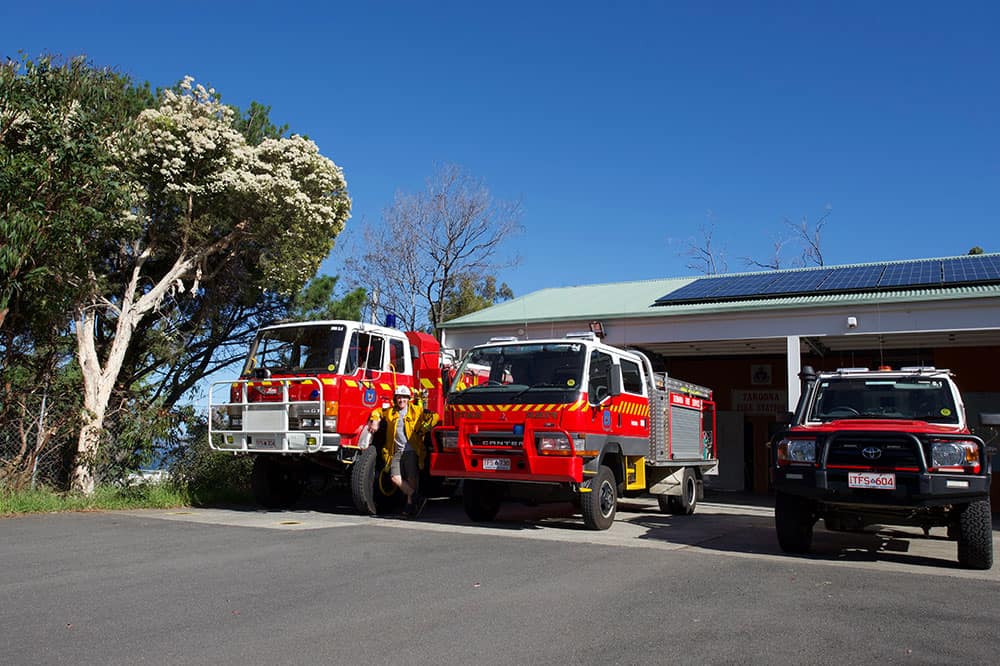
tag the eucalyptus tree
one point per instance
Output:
(58, 196)
(204, 206)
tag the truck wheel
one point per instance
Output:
(685, 503)
(273, 484)
(481, 500)
(371, 489)
(975, 535)
(793, 521)
(601, 503)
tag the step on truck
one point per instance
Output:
(885, 447)
(302, 400)
(572, 419)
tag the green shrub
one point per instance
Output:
(207, 476)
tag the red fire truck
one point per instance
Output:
(304, 396)
(572, 419)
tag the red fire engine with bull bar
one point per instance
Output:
(302, 400)
(572, 419)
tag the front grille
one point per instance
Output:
(498, 441)
(874, 451)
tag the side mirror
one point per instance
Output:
(616, 380)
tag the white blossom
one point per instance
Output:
(282, 192)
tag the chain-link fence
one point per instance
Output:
(31, 461)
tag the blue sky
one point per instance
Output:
(623, 127)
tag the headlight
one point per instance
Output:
(797, 451)
(449, 441)
(553, 443)
(955, 453)
(330, 425)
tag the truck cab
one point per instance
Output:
(868, 447)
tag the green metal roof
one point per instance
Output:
(635, 299)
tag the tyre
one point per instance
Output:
(685, 503)
(481, 500)
(601, 503)
(975, 535)
(372, 490)
(793, 521)
(274, 485)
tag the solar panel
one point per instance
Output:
(898, 275)
(796, 282)
(700, 289)
(971, 269)
(913, 273)
(852, 278)
(744, 285)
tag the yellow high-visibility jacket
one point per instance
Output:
(417, 423)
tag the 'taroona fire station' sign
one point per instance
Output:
(758, 401)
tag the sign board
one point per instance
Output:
(760, 401)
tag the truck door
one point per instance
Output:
(599, 391)
(633, 402)
(366, 384)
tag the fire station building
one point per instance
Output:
(747, 335)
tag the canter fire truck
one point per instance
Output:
(572, 419)
(889, 447)
(303, 398)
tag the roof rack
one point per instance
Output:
(582, 335)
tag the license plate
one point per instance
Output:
(496, 463)
(872, 480)
(264, 443)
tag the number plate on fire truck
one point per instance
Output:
(496, 463)
(874, 480)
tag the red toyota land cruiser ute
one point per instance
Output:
(882, 447)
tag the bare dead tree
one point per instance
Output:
(810, 235)
(775, 262)
(427, 241)
(703, 256)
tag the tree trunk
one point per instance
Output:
(97, 384)
(83, 480)
(99, 381)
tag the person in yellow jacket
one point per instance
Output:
(407, 425)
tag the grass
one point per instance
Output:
(107, 498)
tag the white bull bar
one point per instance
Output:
(264, 427)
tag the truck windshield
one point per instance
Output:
(912, 398)
(532, 372)
(308, 348)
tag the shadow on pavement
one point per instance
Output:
(725, 522)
